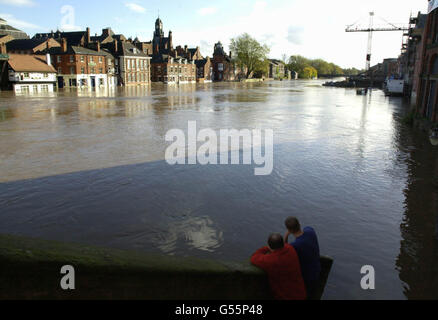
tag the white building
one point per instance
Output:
(31, 73)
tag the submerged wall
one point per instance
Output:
(30, 269)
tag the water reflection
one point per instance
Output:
(195, 232)
(418, 259)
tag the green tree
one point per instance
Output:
(249, 54)
(309, 73)
(298, 63)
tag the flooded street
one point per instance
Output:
(89, 167)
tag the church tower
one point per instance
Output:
(159, 33)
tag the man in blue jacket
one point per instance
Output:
(307, 247)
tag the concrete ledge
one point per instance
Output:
(30, 269)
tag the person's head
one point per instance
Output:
(293, 225)
(276, 241)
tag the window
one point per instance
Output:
(26, 75)
(100, 70)
(25, 89)
(93, 70)
(60, 70)
(58, 59)
(129, 64)
(220, 67)
(44, 88)
(72, 70)
(129, 77)
(91, 59)
(35, 88)
(101, 81)
(100, 59)
(46, 75)
(82, 58)
(82, 70)
(72, 59)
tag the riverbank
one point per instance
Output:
(30, 269)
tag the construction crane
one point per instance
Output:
(355, 28)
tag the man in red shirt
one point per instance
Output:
(280, 261)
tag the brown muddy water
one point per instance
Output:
(89, 167)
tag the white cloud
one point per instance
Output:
(18, 3)
(207, 11)
(315, 29)
(20, 24)
(136, 7)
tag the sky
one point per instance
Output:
(312, 28)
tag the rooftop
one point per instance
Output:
(77, 50)
(24, 44)
(30, 63)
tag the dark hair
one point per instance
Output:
(276, 241)
(293, 225)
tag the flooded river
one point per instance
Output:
(89, 167)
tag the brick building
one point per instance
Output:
(204, 70)
(427, 93)
(145, 47)
(223, 66)
(79, 67)
(167, 65)
(189, 53)
(410, 59)
(170, 70)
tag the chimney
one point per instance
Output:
(186, 48)
(48, 59)
(2, 48)
(64, 45)
(116, 46)
(98, 46)
(170, 40)
(88, 36)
